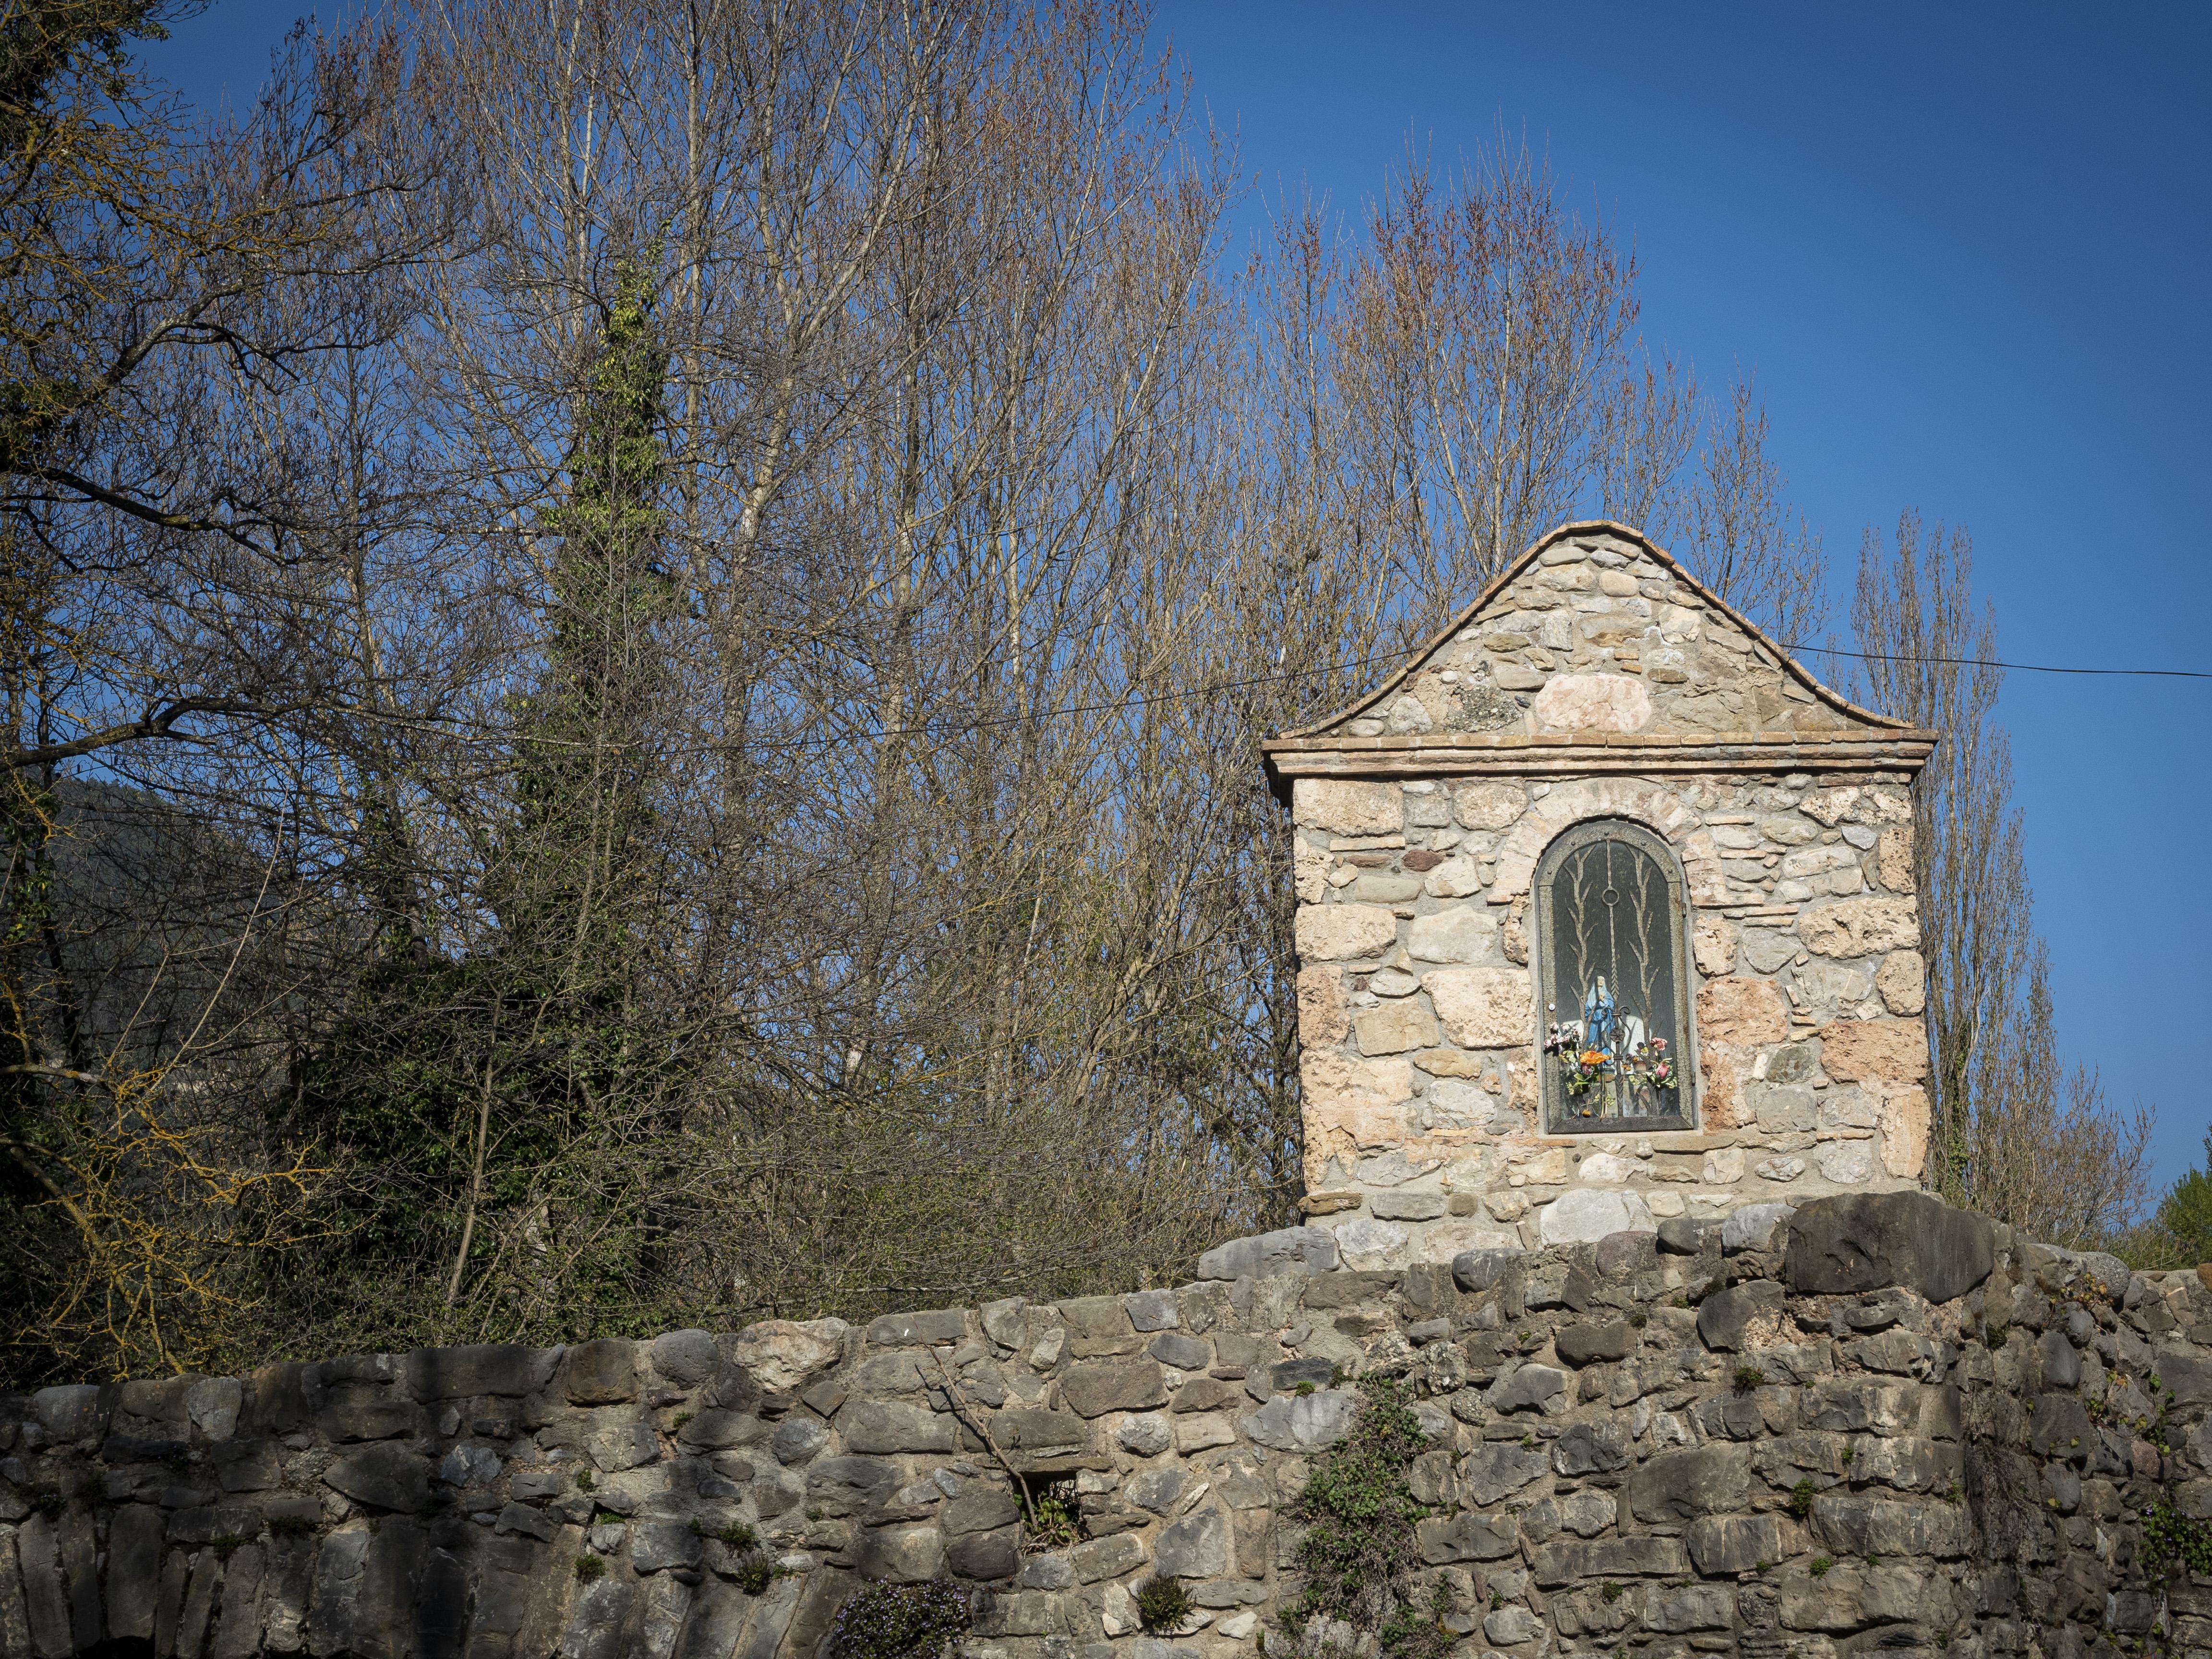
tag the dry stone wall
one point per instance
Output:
(1868, 1423)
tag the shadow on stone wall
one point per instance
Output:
(1870, 1423)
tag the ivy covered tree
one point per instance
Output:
(499, 1128)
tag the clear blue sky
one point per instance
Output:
(1965, 249)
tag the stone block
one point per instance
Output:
(1324, 1017)
(899, 1555)
(1586, 1345)
(1348, 807)
(798, 1441)
(1196, 1547)
(658, 1545)
(620, 1446)
(1034, 1428)
(914, 1330)
(1902, 982)
(1751, 1226)
(881, 1427)
(1478, 1270)
(1185, 1353)
(1727, 1319)
(719, 1430)
(1853, 1525)
(784, 1355)
(985, 1556)
(1092, 1388)
(1291, 1422)
(1743, 1011)
(1345, 932)
(134, 1569)
(1463, 933)
(1468, 1537)
(1269, 1256)
(384, 1477)
(1489, 805)
(1395, 1028)
(686, 1358)
(1196, 1434)
(1484, 1007)
(1680, 1485)
(601, 1373)
(503, 1369)
(1886, 1051)
(1599, 1448)
(1527, 1387)
(1729, 1544)
(1864, 1241)
(1496, 1469)
(1692, 1607)
(1565, 1562)
(1106, 1558)
(1365, 1099)
(1588, 1214)
(1860, 927)
(1151, 1310)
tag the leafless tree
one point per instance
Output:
(2015, 1133)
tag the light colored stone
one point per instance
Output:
(1309, 866)
(1903, 1121)
(1892, 859)
(1902, 981)
(1363, 1097)
(1595, 702)
(1449, 1062)
(1860, 927)
(1722, 1168)
(1780, 1168)
(1465, 932)
(1371, 1246)
(1395, 1027)
(1885, 1050)
(1604, 1170)
(1743, 1011)
(1665, 1204)
(1393, 982)
(1585, 1215)
(1483, 1008)
(1712, 941)
(1536, 1166)
(1812, 860)
(1846, 1163)
(1323, 1019)
(1455, 1103)
(783, 1355)
(1347, 807)
(1489, 805)
(1508, 1207)
(1454, 878)
(1407, 715)
(1829, 805)
(1392, 1169)
(1345, 932)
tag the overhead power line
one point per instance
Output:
(2013, 667)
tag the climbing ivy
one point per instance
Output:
(1362, 1547)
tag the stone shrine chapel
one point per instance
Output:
(1606, 915)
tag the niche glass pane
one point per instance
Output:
(1611, 920)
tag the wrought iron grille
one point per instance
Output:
(1609, 916)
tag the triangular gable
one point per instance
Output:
(1596, 631)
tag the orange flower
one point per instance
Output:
(1592, 1056)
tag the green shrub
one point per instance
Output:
(1821, 1566)
(589, 1567)
(1360, 1550)
(755, 1573)
(1748, 1378)
(1800, 1498)
(899, 1621)
(1162, 1604)
(739, 1536)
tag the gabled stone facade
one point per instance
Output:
(1595, 680)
